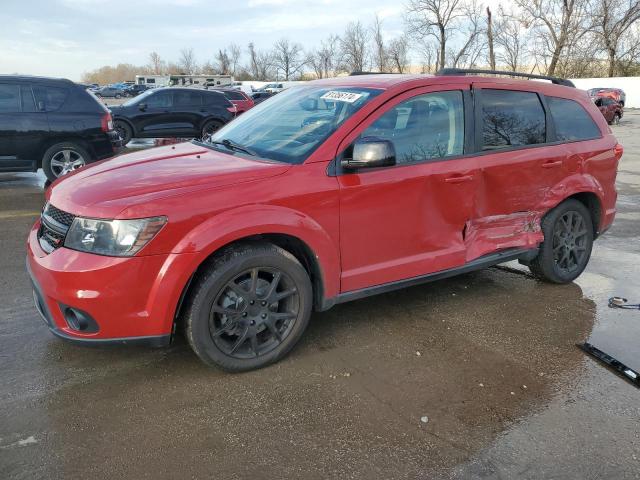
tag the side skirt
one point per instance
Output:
(524, 255)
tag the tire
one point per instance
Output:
(248, 308)
(209, 128)
(63, 158)
(124, 130)
(118, 95)
(616, 119)
(568, 240)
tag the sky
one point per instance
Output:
(66, 38)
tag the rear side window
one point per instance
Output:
(186, 99)
(28, 104)
(215, 98)
(571, 120)
(51, 98)
(234, 95)
(9, 98)
(511, 119)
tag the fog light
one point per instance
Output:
(78, 320)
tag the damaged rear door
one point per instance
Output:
(517, 170)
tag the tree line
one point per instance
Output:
(568, 38)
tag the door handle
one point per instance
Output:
(557, 163)
(459, 179)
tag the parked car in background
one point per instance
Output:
(172, 112)
(135, 90)
(259, 97)
(611, 110)
(240, 99)
(237, 239)
(109, 92)
(53, 124)
(273, 87)
(616, 94)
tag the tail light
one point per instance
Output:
(232, 109)
(618, 150)
(107, 123)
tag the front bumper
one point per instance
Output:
(129, 300)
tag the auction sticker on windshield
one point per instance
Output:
(348, 97)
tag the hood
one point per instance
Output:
(106, 188)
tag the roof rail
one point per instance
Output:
(356, 73)
(443, 72)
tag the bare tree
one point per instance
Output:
(187, 61)
(207, 68)
(434, 18)
(612, 19)
(628, 56)
(557, 24)
(398, 54)
(156, 64)
(223, 62)
(511, 38)
(235, 52)
(471, 30)
(492, 55)
(380, 59)
(353, 45)
(325, 60)
(287, 58)
(259, 63)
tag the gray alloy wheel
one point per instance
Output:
(66, 161)
(616, 119)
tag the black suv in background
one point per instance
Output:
(135, 90)
(172, 112)
(53, 124)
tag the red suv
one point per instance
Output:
(240, 99)
(329, 192)
(611, 110)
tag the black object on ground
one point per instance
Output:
(619, 302)
(621, 368)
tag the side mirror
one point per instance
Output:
(370, 152)
(142, 107)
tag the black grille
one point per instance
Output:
(59, 216)
(54, 225)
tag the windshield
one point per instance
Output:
(290, 126)
(141, 97)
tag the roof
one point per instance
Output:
(35, 79)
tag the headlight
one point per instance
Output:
(118, 238)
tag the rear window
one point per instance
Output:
(571, 120)
(9, 98)
(511, 119)
(52, 98)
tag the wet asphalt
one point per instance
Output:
(472, 377)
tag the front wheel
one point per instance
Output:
(248, 307)
(616, 119)
(209, 128)
(124, 130)
(568, 239)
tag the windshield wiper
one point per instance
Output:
(234, 146)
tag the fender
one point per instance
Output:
(573, 184)
(249, 220)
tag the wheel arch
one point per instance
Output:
(50, 142)
(128, 122)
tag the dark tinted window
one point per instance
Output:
(511, 119)
(28, 104)
(158, 99)
(423, 127)
(571, 120)
(186, 99)
(52, 98)
(9, 98)
(215, 98)
(233, 95)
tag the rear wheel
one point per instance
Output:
(248, 308)
(124, 130)
(568, 239)
(63, 158)
(616, 119)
